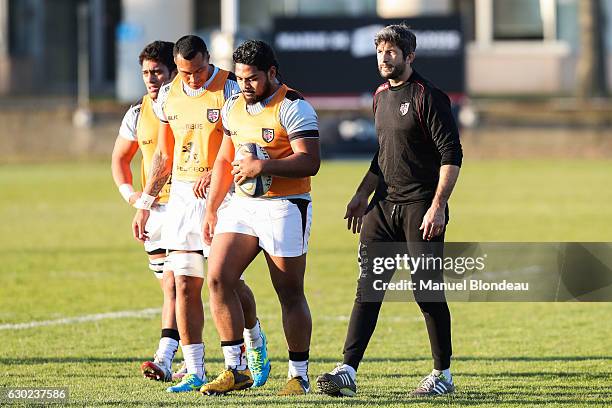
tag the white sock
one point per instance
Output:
(194, 359)
(235, 356)
(167, 349)
(298, 369)
(446, 373)
(350, 370)
(252, 337)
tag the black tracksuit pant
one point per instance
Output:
(388, 222)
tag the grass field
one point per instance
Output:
(67, 251)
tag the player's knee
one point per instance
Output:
(181, 287)
(432, 307)
(217, 283)
(290, 295)
(243, 289)
(169, 287)
(247, 298)
(187, 289)
(214, 284)
(185, 264)
(359, 294)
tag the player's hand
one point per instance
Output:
(200, 186)
(208, 227)
(135, 196)
(138, 225)
(248, 167)
(355, 210)
(434, 222)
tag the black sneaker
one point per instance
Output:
(337, 383)
(434, 385)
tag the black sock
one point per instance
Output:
(172, 333)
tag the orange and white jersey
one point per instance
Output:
(195, 119)
(273, 124)
(140, 124)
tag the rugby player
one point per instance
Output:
(277, 118)
(139, 129)
(189, 139)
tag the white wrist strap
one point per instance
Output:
(144, 202)
(126, 190)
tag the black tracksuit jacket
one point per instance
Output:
(416, 135)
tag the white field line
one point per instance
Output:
(153, 312)
(83, 319)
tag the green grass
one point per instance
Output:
(66, 250)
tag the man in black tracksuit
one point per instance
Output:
(413, 174)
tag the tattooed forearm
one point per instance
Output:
(158, 175)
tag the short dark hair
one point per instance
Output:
(256, 53)
(159, 51)
(399, 35)
(189, 46)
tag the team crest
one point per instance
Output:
(212, 115)
(267, 134)
(404, 108)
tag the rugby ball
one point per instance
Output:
(256, 186)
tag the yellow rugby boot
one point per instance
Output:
(229, 380)
(295, 386)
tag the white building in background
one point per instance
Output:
(144, 22)
(513, 46)
(527, 47)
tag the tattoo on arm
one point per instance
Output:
(158, 175)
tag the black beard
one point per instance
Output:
(396, 72)
(264, 95)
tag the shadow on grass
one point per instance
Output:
(548, 375)
(73, 359)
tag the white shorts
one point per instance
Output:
(182, 228)
(282, 225)
(154, 229)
